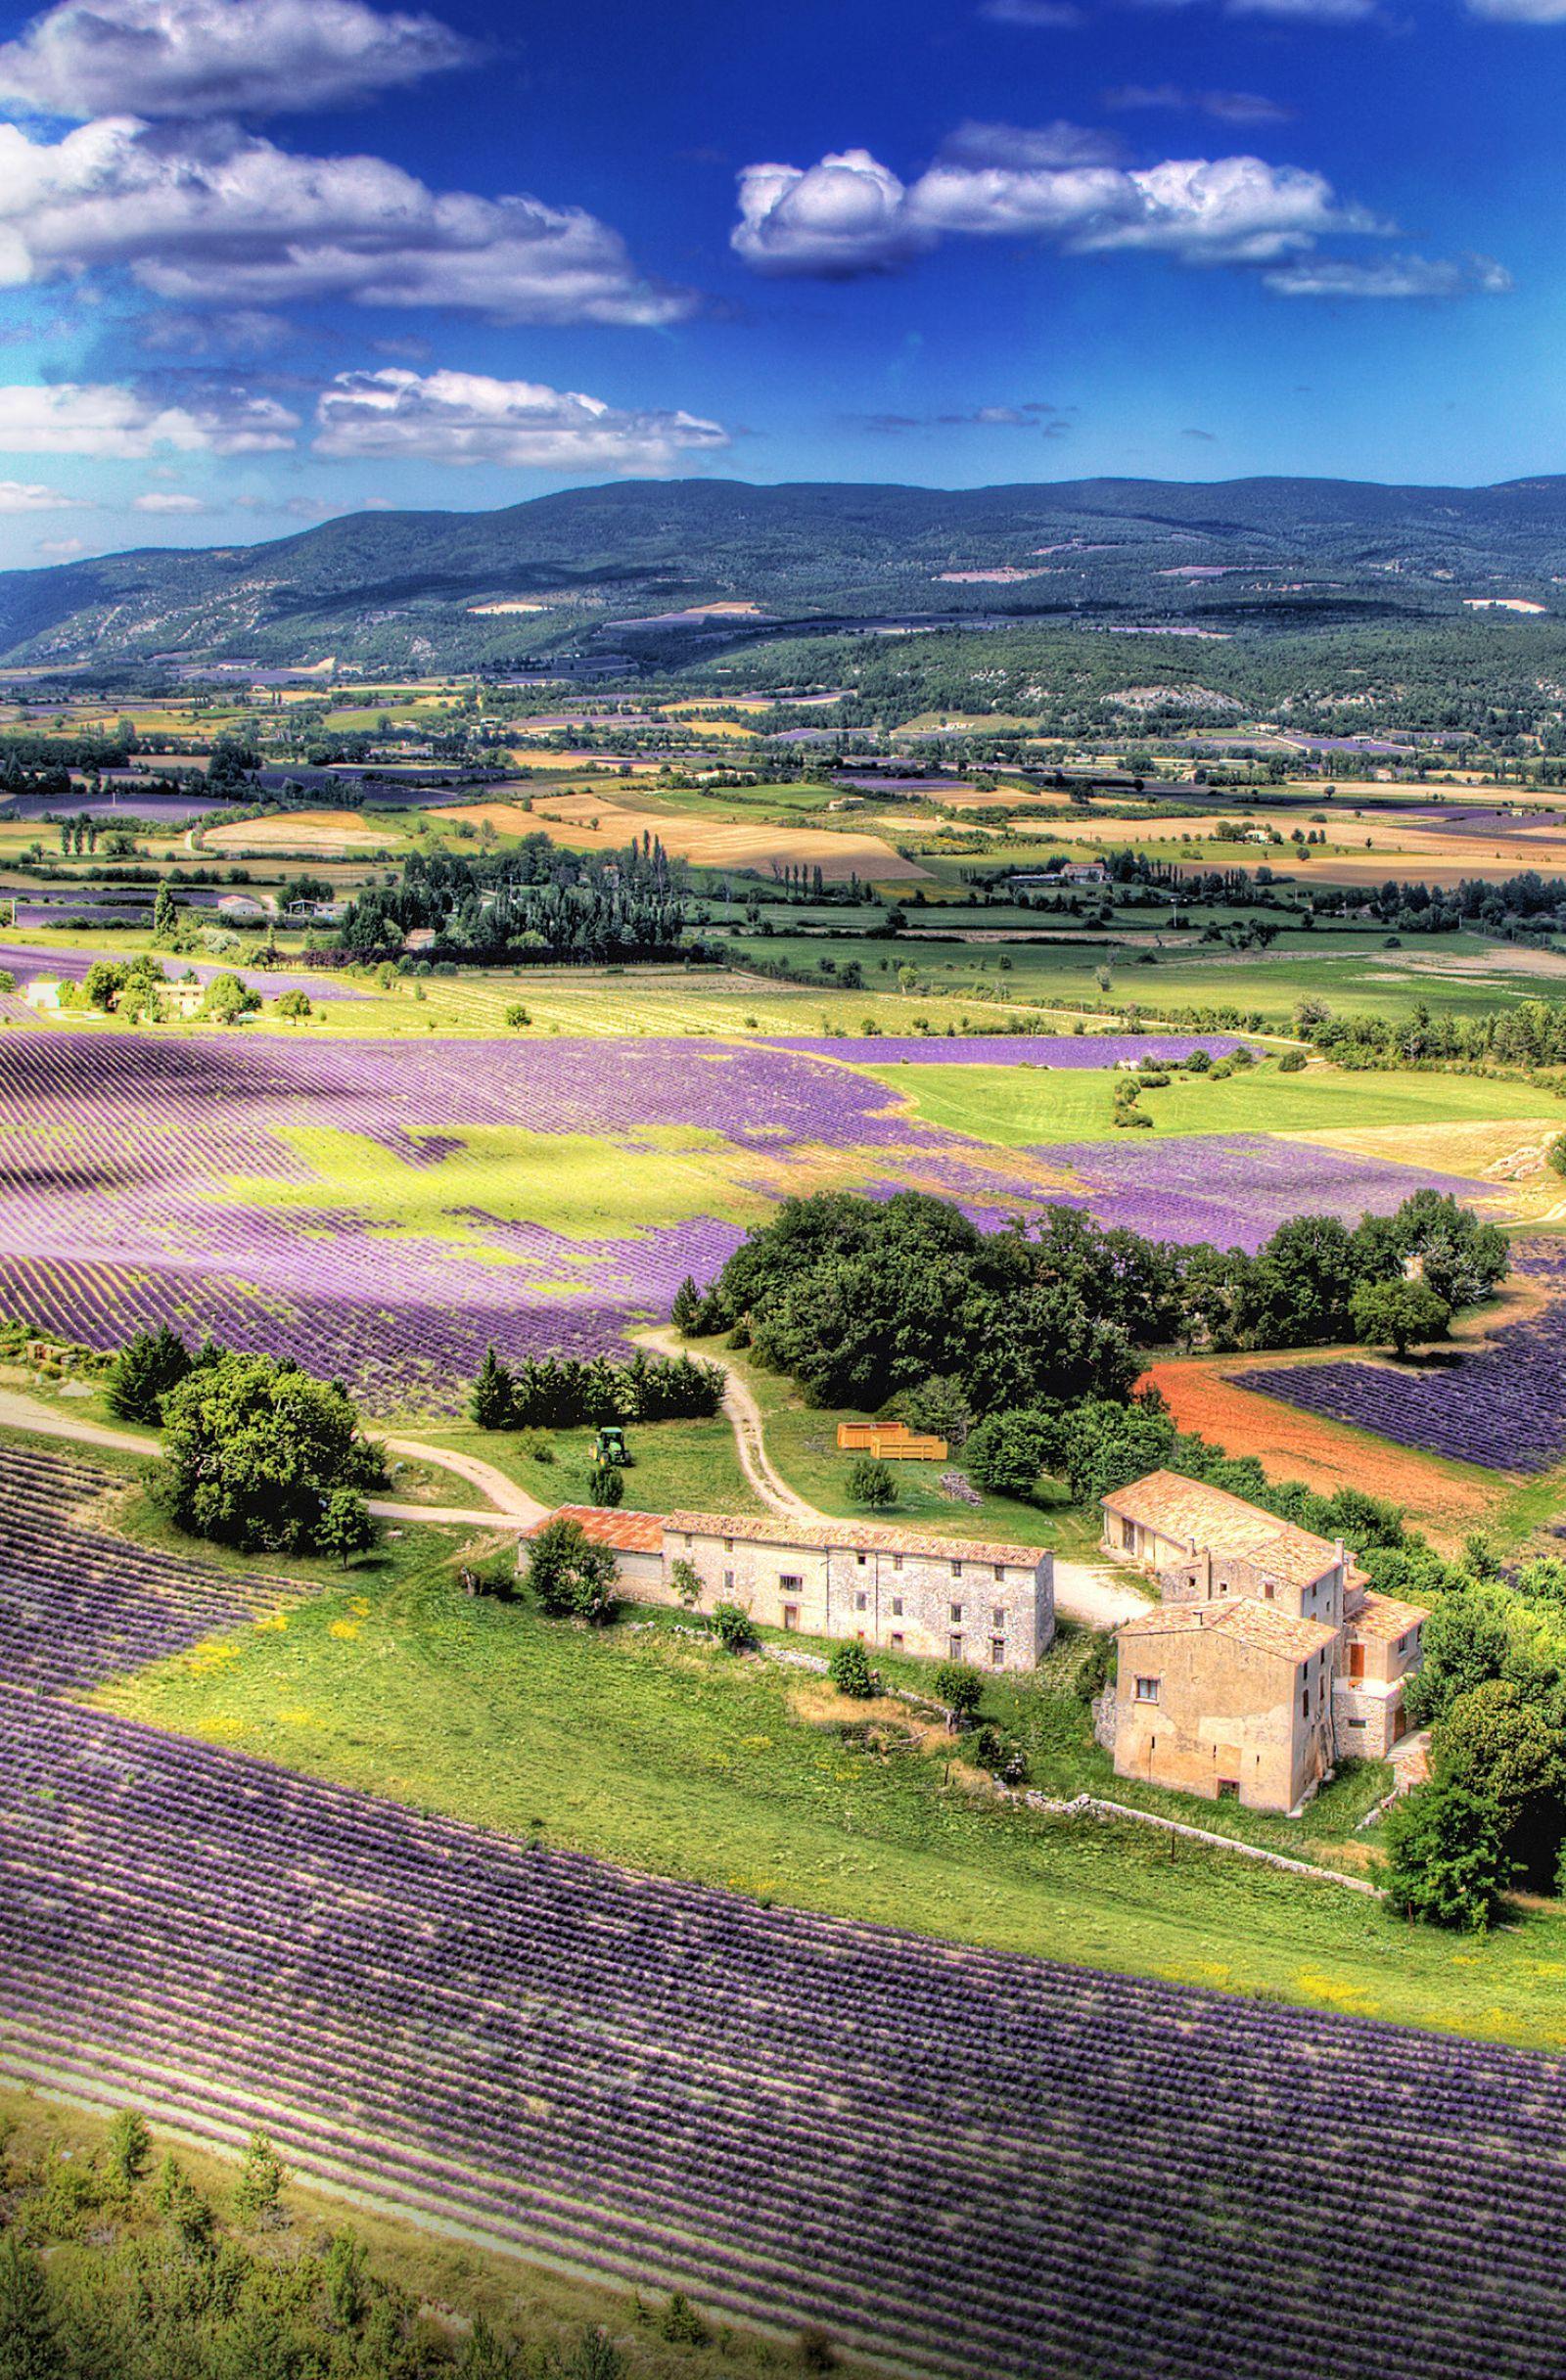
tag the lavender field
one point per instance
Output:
(973, 2162)
(80, 1604)
(1010, 1049)
(383, 1210)
(1235, 1188)
(1501, 1406)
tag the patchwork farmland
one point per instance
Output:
(381, 1211)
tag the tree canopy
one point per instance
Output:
(254, 1450)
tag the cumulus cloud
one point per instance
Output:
(1390, 277)
(1224, 107)
(466, 417)
(60, 549)
(168, 500)
(126, 424)
(850, 215)
(845, 216)
(213, 216)
(27, 496)
(218, 56)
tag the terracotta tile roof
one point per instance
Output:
(628, 1533)
(856, 1536)
(1259, 1626)
(1189, 1511)
(1383, 1617)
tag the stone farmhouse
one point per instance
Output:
(898, 1589)
(1267, 1659)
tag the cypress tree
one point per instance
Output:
(494, 1394)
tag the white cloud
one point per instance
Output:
(1224, 107)
(167, 500)
(1048, 16)
(851, 214)
(27, 496)
(1520, 12)
(218, 56)
(212, 215)
(1306, 11)
(846, 215)
(465, 417)
(1390, 277)
(126, 423)
(60, 549)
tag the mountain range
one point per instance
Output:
(599, 571)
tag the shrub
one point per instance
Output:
(605, 1485)
(994, 1749)
(517, 1017)
(346, 1527)
(687, 1584)
(871, 1484)
(849, 1667)
(960, 1688)
(295, 1004)
(1199, 1062)
(572, 1577)
(1007, 1453)
(1446, 1863)
(1292, 1061)
(732, 1627)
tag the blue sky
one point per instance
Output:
(266, 261)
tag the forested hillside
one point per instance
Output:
(599, 568)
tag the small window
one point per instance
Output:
(896, 1644)
(897, 1607)
(997, 1652)
(896, 1561)
(1402, 1644)
(1147, 1690)
(791, 1615)
(790, 1582)
(860, 1559)
(954, 1648)
(998, 1616)
(956, 1615)
(861, 1603)
(728, 1581)
(729, 1545)
(1271, 1593)
(956, 1569)
(1305, 1704)
(1356, 1722)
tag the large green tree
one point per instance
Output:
(254, 1450)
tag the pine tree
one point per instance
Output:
(145, 1368)
(687, 1306)
(261, 2180)
(494, 1394)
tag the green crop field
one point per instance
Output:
(1020, 1106)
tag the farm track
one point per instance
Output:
(969, 2161)
(1085, 1591)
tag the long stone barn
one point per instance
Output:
(899, 1589)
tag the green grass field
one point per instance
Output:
(1020, 1107)
(648, 1745)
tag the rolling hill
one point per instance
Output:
(433, 589)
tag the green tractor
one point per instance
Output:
(611, 1447)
